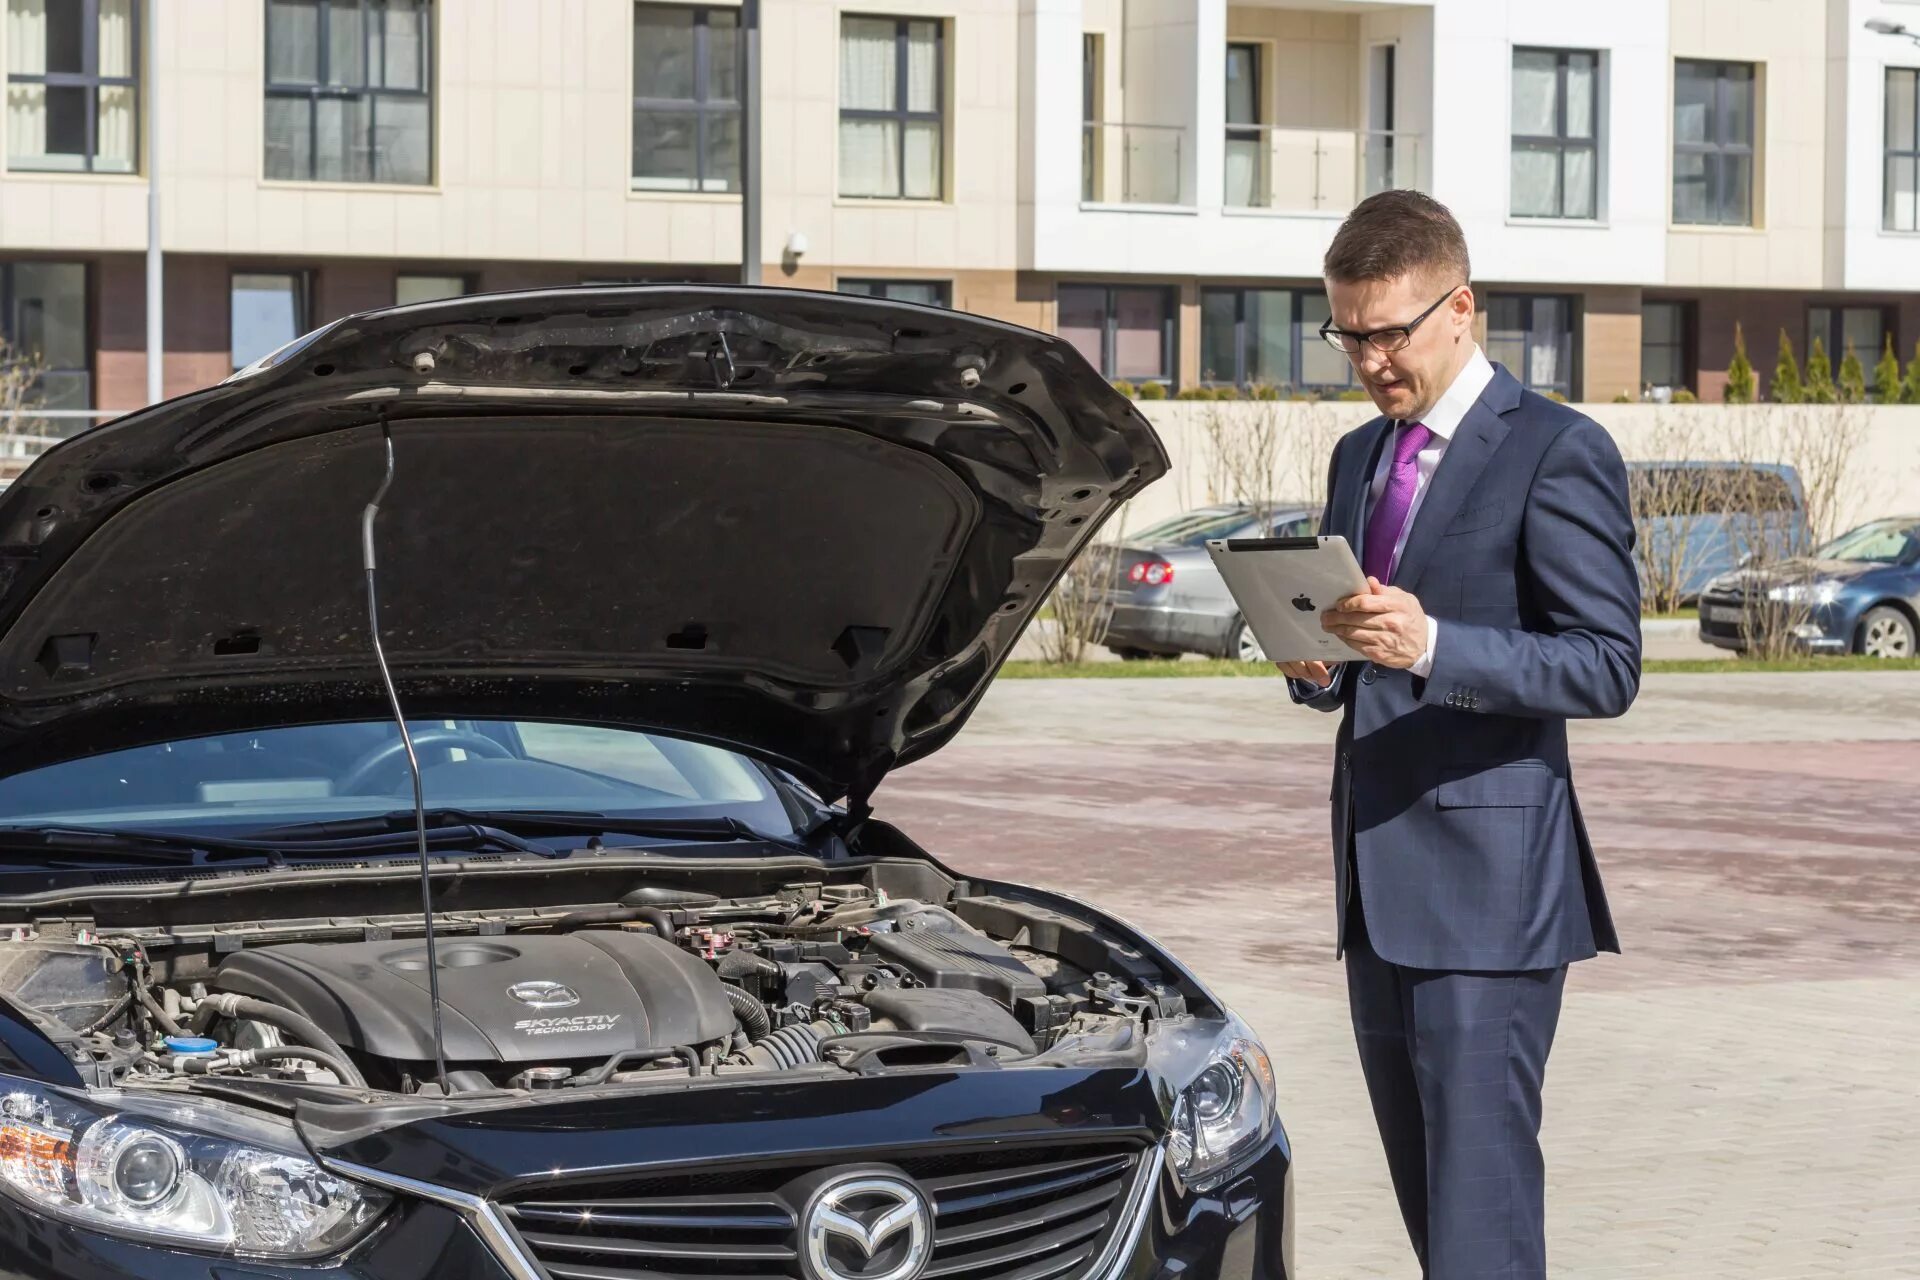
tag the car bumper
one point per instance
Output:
(1828, 629)
(1167, 630)
(1241, 1230)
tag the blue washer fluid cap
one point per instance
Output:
(192, 1046)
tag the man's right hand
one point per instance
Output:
(1313, 672)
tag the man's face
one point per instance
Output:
(1405, 384)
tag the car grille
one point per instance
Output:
(1723, 616)
(1026, 1214)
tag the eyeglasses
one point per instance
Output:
(1393, 338)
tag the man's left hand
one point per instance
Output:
(1387, 625)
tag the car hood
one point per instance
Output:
(806, 526)
(1799, 569)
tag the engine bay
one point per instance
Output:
(663, 983)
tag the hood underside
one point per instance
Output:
(807, 526)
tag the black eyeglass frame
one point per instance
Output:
(1331, 336)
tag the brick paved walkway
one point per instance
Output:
(1737, 1096)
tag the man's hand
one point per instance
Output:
(1387, 625)
(1312, 672)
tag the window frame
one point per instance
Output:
(1109, 327)
(1889, 155)
(901, 114)
(1559, 142)
(1571, 387)
(881, 284)
(90, 79)
(317, 91)
(702, 107)
(303, 279)
(1719, 149)
(8, 292)
(1835, 338)
(1684, 349)
(1240, 294)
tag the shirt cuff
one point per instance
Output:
(1424, 667)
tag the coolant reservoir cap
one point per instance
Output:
(192, 1045)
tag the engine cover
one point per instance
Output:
(520, 999)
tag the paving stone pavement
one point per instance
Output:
(1736, 1096)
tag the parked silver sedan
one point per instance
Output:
(1167, 597)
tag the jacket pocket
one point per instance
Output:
(1484, 516)
(1524, 785)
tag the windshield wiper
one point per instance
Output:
(187, 848)
(513, 823)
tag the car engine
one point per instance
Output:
(814, 978)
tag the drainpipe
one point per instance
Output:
(750, 143)
(155, 340)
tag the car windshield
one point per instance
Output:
(275, 777)
(1882, 542)
(1193, 528)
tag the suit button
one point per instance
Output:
(1366, 674)
(1453, 699)
(1343, 759)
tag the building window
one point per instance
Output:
(892, 134)
(1248, 144)
(1124, 331)
(686, 98)
(270, 309)
(1902, 196)
(409, 288)
(1556, 154)
(1533, 336)
(1092, 94)
(349, 91)
(43, 319)
(928, 293)
(1666, 346)
(72, 91)
(1865, 328)
(1247, 337)
(1713, 114)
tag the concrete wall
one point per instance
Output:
(1881, 476)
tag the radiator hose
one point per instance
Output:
(298, 1026)
(752, 1014)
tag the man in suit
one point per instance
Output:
(1501, 602)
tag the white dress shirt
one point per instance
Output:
(1442, 420)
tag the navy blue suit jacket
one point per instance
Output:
(1455, 790)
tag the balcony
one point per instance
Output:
(1315, 170)
(1132, 164)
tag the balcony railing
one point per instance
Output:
(1132, 163)
(1315, 170)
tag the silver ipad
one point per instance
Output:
(1283, 584)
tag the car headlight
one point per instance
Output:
(1815, 593)
(188, 1174)
(1220, 1094)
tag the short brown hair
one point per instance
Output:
(1397, 233)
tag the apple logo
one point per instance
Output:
(1303, 602)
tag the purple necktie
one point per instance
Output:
(1390, 512)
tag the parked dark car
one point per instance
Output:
(1695, 521)
(669, 579)
(1166, 596)
(1859, 593)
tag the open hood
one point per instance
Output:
(807, 526)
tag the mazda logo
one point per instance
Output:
(867, 1225)
(544, 995)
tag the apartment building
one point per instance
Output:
(1154, 179)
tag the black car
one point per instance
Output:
(665, 582)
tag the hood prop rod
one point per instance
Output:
(413, 760)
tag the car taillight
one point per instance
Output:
(1154, 573)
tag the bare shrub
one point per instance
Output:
(1081, 604)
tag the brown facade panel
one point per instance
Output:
(1610, 343)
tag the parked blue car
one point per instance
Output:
(1859, 593)
(1733, 511)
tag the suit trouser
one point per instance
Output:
(1454, 1063)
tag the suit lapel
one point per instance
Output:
(1481, 433)
(1353, 517)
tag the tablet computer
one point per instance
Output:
(1283, 584)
